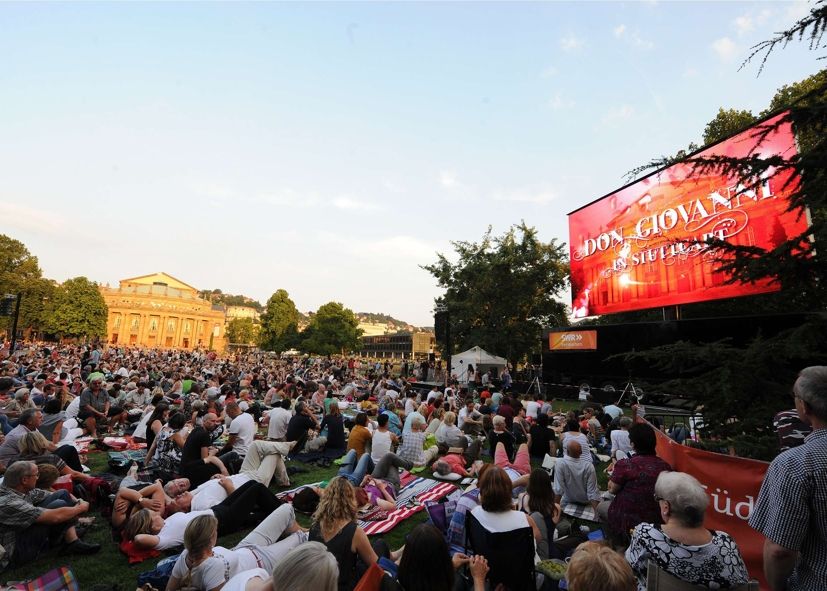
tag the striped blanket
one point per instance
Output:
(410, 500)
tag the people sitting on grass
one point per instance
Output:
(360, 436)
(32, 520)
(34, 447)
(199, 458)
(500, 435)
(633, 484)
(334, 525)
(383, 439)
(413, 445)
(575, 484)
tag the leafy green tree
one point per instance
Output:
(78, 310)
(279, 323)
(242, 331)
(20, 274)
(739, 389)
(332, 329)
(726, 123)
(503, 290)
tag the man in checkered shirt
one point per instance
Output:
(32, 520)
(791, 510)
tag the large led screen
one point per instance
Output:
(637, 248)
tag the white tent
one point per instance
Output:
(481, 359)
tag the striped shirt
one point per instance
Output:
(791, 510)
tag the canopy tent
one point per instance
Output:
(481, 359)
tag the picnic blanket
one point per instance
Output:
(312, 456)
(286, 496)
(410, 500)
(135, 554)
(123, 458)
(82, 444)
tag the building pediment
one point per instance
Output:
(158, 279)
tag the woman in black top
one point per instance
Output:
(334, 525)
(335, 428)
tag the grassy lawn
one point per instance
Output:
(110, 567)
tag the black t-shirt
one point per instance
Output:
(335, 431)
(298, 426)
(504, 437)
(540, 438)
(192, 448)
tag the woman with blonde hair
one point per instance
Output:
(34, 447)
(250, 503)
(208, 567)
(310, 566)
(596, 567)
(334, 525)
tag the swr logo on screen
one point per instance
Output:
(573, 340)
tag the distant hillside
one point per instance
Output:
(387, 324)
(216, 296)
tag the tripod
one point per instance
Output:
(535, 383)
(630, 387)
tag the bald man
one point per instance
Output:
(575, 483)
(199, 459)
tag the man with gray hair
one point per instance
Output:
(791, 510)
(32, 520)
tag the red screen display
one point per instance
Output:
(633, 249)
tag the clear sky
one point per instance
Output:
(331, 148)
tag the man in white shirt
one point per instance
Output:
(278, 419)
(433, 394)
(533, 407)
(242, 431)
(383, 440)
(469, 419)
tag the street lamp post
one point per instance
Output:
(442, 309)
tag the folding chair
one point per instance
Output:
(658, 579)
(510, 555)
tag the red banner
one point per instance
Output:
(732, 484)
(639, 247)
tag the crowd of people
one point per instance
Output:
(219, 432)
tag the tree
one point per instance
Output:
(726, 123)
(502, 291)
(78, 310)
(20, 274)
(242, 331)
(279, 323)
(739, 389)
(333, 329)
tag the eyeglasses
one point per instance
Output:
(659, 499)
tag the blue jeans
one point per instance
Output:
(353, 470)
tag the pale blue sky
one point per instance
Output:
(331, 148)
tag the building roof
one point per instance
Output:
(158, 278)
